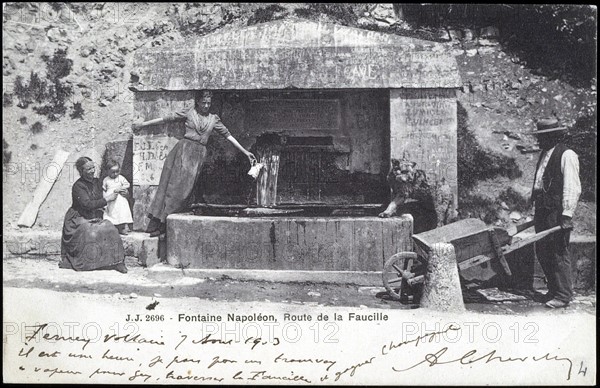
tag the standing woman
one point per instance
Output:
(89, 242)
(182, 166)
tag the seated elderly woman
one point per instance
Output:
(89, 242)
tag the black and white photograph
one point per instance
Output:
(299, 193)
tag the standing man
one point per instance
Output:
(556, 190)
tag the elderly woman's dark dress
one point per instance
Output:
(89, 245)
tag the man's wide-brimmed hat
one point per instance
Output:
(547, 126)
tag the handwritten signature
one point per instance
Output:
(472, 357)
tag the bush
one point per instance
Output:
(37, 127)
(339, 13)
(34, 91)
(56, 6)
(266, 14)
(475, 163)
(50, 95)
(7, 100)
(77, 111)
(582, 139)
(23, 93)
(475, 206)
(514, 200)
(559, 40)
(58, 66)
(55, 108)
(191, 18)
(37, 87)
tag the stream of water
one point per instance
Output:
(266, 184)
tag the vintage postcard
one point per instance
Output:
(299, 193)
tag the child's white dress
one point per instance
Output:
(117, 211)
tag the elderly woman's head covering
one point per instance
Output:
(82, 161)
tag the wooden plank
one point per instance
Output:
(211, 206)
(265, 211)
(530, 240)
(472, 245)
(30, 213)
(473, 261)
(499, 253)
(451, 232)
(327, 206)
(519, 228)
(470, 238)
(479, 243)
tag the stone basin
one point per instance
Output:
(286, 242)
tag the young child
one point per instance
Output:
(117, 211)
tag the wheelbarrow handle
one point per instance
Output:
(530, 240)
(519, 228)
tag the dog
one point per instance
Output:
(430, 205)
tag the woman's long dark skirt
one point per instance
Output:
(87, 246)
(179, 175)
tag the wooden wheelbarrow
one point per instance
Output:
(474, 243)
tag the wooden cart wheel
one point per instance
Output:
(398, 275)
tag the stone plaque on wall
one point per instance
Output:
(294, 114)
(423, 128)
(149, 154)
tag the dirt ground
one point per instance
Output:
(157, 283)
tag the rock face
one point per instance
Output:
(500, 92)
(441, 290)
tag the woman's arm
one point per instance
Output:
(237, 145)
(136, 126)
(220, 128)
(174, 116)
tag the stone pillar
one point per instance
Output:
(441, 290)
(423, 129)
